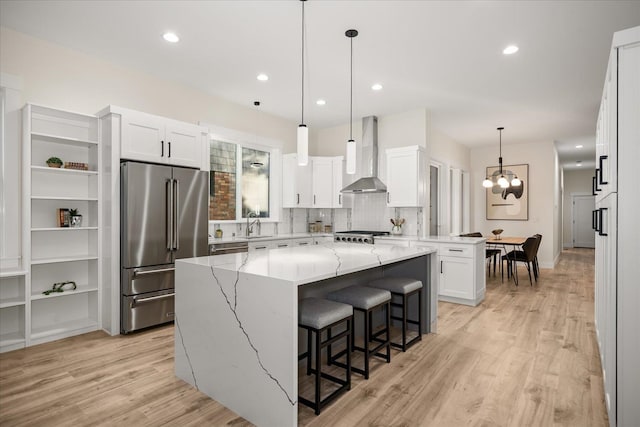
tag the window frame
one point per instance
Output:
(243, 140)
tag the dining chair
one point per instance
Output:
(526, 255)
(490, 252)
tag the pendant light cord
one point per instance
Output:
(500, 158)
(351, 95)
(302, 56)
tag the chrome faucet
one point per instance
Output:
(256, 221)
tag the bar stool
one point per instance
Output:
(317, 315)
(403, 287)
(365, 300)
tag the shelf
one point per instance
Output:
(63, 228)
(69, 199)
(11, 302)
(12, 273)
(12, 338)
(63, 171)
(64, 328)
(63, 140)
(62, 259)
(82, 289)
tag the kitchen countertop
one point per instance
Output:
(236, 325)
(308, 264)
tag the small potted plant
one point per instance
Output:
(54, 162)
(76, 218)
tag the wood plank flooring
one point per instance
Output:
(527, 356)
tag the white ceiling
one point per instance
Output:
(442, 55)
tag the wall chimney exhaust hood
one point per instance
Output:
(369, 183)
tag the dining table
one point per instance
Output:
(505, 242)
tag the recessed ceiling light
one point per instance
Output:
(321, 102)
(262, 77)
(579, 163)
(171, 37)
(376, 86)
(510, 50)
(579, 146)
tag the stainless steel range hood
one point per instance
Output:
(369, 183)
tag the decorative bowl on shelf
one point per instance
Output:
(497, 232)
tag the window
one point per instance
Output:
(240, 181)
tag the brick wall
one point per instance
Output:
(222, 201)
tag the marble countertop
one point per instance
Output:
(301, 265)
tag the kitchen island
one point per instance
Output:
(236, 333)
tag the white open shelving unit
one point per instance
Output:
(55, 254)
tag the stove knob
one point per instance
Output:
(348, 239)
(360, 239)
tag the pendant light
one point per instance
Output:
(502, 181)
(255, 163)
(351, 144)
(303, 131)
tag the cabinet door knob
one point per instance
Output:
(169, 143)
(339, 199)
(298, 202)
(388, 197)
(314, 199)
(161, 148)
(440, 267)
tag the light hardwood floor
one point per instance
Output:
(527, 356)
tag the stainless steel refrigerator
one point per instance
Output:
(164, 217)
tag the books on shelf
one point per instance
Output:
(76, 165)
(64, 217)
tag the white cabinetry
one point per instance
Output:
(405, 178)
(56, 254)
(280, 243)
(316, 185)
(461, 271)
(150, 138)
(617, 293)
(296, 183)
(327, 182)
(13, 309)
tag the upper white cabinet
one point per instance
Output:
(296, 183)
(605, 181)
(316, 185)
(327, 182)
(56, 251)
(405, 177)
(150, 138)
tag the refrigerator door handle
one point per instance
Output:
(169, 210)
(144, 273)
(176, 214)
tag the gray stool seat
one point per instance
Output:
(319, 313)
(360, 296)
(397, 285)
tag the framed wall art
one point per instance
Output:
(511, 203)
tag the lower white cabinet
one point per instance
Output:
(280, 243)
(461, 277)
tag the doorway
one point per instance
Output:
(581, 208)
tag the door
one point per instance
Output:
(583, 236)
(183, 144)
(190, 189)
(322, 182)
(456, 277)
(144, 214)
(143, 138)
